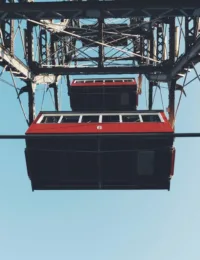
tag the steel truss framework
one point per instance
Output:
(134, 45)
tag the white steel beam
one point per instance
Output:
(22, 71)
(15, 62)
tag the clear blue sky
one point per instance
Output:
(99, 225)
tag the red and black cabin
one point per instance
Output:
(103, 94)
(100, 151)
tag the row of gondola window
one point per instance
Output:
(104, 80)
(102, 118)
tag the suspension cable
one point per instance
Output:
(58, 136)
(22, 108)
(179, 101)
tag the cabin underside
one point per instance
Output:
(99, 162)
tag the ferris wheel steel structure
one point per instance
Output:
(143, 49)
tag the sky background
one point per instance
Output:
(99, 225)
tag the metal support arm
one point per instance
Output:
(179, 65)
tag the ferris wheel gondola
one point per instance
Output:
(100, 151)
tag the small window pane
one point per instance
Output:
(151, 118)
(50, 119)
(98, 80)
(70, 119)
(80, 81)
(146, 162)
(131, 118)
(110, 119)
(109, 80)
(90, 119)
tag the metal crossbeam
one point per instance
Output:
(97, 9)
(62, 70)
